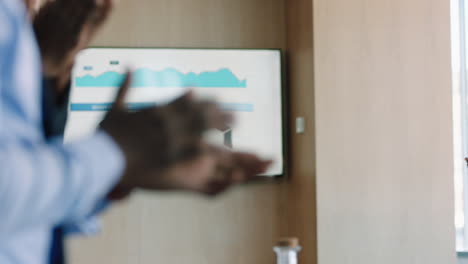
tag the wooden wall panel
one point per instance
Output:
(384, 132)
(300, 189)
(200, 23)
(372, 79)
(239, 227)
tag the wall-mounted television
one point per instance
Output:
(247, 83)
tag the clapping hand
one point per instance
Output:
(165, 149)
(65, 27)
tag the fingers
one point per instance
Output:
(234, 168)
(200, 115)
(32, 6)
(205, 115)
(104, 5)
(59, 27)
(212, 117)
(103, 8)
(242, 166)
(185, 149)
(119, 102)
(182, 104)
(251, 164)
(107, 7)
(221, 184)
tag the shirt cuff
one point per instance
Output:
(90, 226)
(106, 162)
(109, 161)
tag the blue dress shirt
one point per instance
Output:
(42, 183)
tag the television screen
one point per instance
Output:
(247, 83)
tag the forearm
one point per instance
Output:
(45, 184)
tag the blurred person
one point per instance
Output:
(45, 184)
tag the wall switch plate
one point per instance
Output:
(300, 125)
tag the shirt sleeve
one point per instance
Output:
(50, 183)
(90, 226)
(42, 183)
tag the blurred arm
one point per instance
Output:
(49, 183)
(42, 183)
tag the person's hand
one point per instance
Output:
(32, 6)
(214, 171)
(165, 150)
(65, 27)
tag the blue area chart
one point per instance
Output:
(223, 78)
